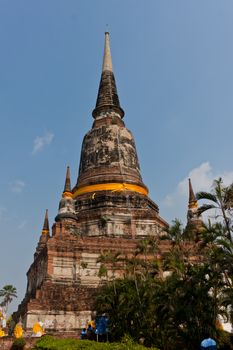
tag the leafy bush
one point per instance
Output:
(50, 343)
(18, 344)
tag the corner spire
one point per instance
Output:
(194, 220)
(45, 229)
(107, 99)
(67, 187)
(44, 236)
(66, 208)
(192, 197)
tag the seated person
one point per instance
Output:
(84, 333)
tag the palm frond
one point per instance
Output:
(206, 195)
(206, 207)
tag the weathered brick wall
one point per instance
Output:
(37, 273)
(64, 300)
(109, 153)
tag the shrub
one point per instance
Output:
(18, 344)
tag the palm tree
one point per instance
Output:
(8, 292)
(220, 237)
(220, 199)
(220, 234)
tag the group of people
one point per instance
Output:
(96, 330)
(89, 332)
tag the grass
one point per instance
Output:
(50, 343)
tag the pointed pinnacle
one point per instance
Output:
(45, 229)
(192, 197)
(107, 99)
(67, 187)
(107, 60)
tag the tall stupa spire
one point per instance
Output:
(109, 160)
(108, 210)
(107, 99)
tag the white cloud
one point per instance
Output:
(41, 141)
(17, 186)
(202, 177)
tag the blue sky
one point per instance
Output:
(173, 66)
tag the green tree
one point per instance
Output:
(219, 236)
(171, 296)
(221, 200)
(184, 308)
(188, 304)
(166, 300)
(8, 292)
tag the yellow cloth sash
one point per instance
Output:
(193, 205)
(114, 187)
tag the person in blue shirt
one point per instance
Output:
(208, 343)
(84, 334)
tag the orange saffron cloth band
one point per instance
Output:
(114, 187)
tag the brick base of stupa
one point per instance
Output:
(64, 277)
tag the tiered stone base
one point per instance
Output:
(64, 277)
